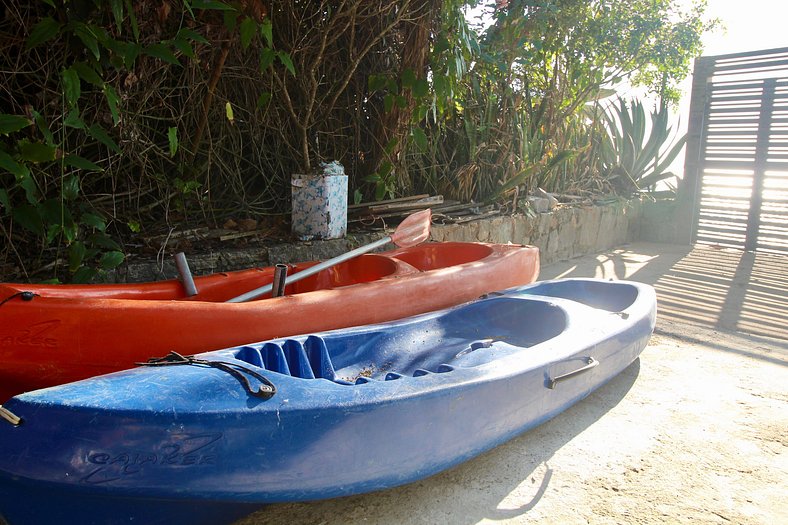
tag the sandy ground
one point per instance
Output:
(694, 431)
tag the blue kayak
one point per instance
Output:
(210, 438)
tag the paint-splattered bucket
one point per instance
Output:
(320, 203)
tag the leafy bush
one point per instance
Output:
(92, 114)
(120, 117)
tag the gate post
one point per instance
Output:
(761, 157)
(689, 187)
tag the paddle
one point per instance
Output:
(415, 229)
(186, 274)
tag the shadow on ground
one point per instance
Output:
(482, 485)
(722, 289)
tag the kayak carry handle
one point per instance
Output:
(10, 416)
(590, 363)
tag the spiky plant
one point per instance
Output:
(632, 155)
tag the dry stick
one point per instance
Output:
(355, 63)
(13, 247)
(302, 129)
(206, 105)
(303, 123)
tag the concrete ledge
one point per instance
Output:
(562, 234)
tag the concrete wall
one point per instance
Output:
(662, 221)
(561, 234)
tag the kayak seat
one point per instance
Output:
(319, 360)
(273, 358)
(297, 360)
(306, 360)
(309, 358)
(432, 256)
(392, 376)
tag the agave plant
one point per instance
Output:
(631, 156)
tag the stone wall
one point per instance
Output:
(561, 234)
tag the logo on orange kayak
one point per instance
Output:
(37, 335)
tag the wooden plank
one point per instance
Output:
(389, 201)
(484, 215)
(723, 156)
(713, 121)
(178, 234)
(371, 217)
(755, 97)
(733, 133)
(774, 63)
(239, 235)
(410, 205)
(732, 165)
(722, 226)
(748, 54)
(733, 85)
(732, 144)
(461, 206)
(755, 111)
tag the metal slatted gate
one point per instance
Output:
(742, 154)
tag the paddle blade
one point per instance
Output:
(415, 229)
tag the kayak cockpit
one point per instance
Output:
(602, 295)
(477, 334)
(443, 255)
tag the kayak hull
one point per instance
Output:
(387, 405)
(70, 332)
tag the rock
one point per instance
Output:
(539, 204)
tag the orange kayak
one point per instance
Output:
(53, 334)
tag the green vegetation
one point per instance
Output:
(534, 93)
(120, 118)
(635, 156)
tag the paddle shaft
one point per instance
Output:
(280, 276)
(312, 270)
(186, 274)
